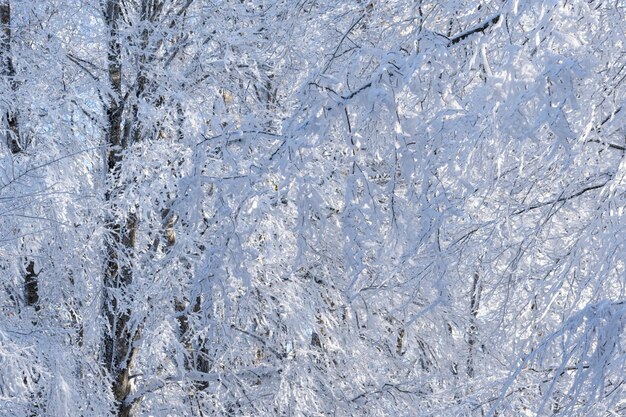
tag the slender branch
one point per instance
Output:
(608, 144)
(82, 64)
(354, 93)
(343, 38)
(478, 29)
(561, 199)
(610, 116)
(241, 132)
(278, 355)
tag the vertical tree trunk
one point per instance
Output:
(31, 285)
(12, 135)
(13, 140)
(118, 335)
(472, 334)
(8, 70)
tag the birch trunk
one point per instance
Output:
(118, 335)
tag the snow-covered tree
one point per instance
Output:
(252, 207)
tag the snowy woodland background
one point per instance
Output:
(312, 208)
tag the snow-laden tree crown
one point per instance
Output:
(312, 208)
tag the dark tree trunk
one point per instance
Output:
(13, 139)
(8, 70)
(472, 333)
(120, 241)
(31, 286)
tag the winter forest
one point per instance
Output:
(312, 208)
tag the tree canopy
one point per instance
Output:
(312, 208)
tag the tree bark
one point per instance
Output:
(472, 333)
(8, 70)
(13, 140)
(31, 285)
(118, 335)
